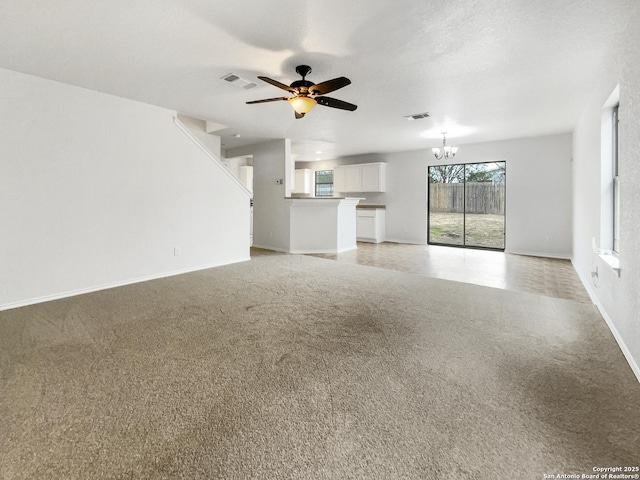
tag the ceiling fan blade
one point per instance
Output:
(268, 100)
(299, 115)
(329, 86)
(278, 84)
(335, 103)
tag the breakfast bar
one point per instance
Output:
(323, 225)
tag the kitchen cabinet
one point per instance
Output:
(353, 178)
(364, 177)
(339, 184)
(245, 175)
(303, 181)
(373, 177)
(370, 225)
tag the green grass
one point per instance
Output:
(482, 230)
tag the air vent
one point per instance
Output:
(238, 81)
(417, 116)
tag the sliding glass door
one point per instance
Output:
(467, 205)
(446, 204)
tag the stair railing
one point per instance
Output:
(210, 155)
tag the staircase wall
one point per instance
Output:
(98, 191)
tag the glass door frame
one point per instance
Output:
(464, 209)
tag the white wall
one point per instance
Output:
(271, 216)
(198, 128)
(539, 201)
(97, 190)
(617, 297)
(234, 164)
(538, 217)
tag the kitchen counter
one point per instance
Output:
(371, 206)
(302, 197)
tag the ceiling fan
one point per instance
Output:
(307, 94)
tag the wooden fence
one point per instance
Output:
(482, 197)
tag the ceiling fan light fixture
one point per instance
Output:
(302, 105)
(307, 95)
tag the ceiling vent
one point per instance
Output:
(417, 116)
(238, 81)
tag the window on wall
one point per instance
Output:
(615, 181)
(610, 180)
(324, 183)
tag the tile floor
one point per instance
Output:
(543, 276)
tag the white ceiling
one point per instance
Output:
(484, 69)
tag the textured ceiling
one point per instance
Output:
(484, 69)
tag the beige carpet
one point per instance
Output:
(299, 367)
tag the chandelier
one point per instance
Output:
(447, 151)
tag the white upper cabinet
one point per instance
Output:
(365, 177)
(246, 176)
(374, 177)
(353, 178)
(303, 181)
(339, 181)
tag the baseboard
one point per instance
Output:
(406, 242)
(312, 252)
(304, 252)
(275, 249)
(612, 328)
(539, 254)
(321, 250)
(96, 288)
(369, 240)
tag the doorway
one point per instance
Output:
(466, 205)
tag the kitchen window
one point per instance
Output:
(324, 183)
